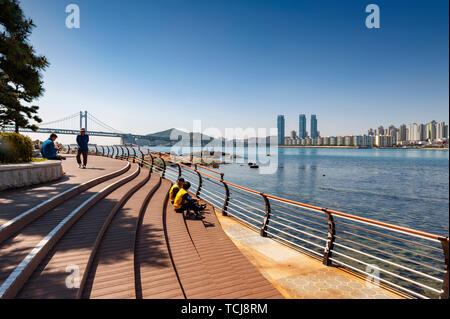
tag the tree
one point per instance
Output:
(20, 68)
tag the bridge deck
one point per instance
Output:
(131, 244)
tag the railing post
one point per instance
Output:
(142, 157)
(96, 150)
(200, 181)
(331, 238)
(153, 162)
(103, 150)
(164, 166)
(117, 151)
(227, 196)
(263, 231)
(445, 247)
(128, 153)
(122, 154)
(179, 171)
(68, 149)
(134, 155)
(107, 147)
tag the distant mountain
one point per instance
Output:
(177, 137)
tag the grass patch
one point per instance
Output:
(38, 159)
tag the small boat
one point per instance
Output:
(254, 166)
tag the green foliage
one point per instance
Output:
(15, 148)
(20, 77)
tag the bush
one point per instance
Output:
(15, 148)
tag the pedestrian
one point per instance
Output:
(82, 141)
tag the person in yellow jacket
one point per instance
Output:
(175, 188)
(184, 202)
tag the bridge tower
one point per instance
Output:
(85, 120)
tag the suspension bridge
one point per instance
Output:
(70, 125)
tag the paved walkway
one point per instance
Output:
(16, 201)
(130, 243)
(297, 275)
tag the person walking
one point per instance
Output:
(82, 141)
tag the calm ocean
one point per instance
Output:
(404, 187)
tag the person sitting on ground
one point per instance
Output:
(48, 149)
(83, 148)
(184, 202)
(175, 188)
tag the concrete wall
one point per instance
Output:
(20, 175)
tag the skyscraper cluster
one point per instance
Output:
(432, 133)
(302, 132)
(414, 133)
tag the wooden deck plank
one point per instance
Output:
(152, 252)
(49, 279)
(16, 248)
(114, 259)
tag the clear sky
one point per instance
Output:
(146, 66)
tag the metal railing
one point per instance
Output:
(408, 260)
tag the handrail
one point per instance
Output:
(198, 165)
(333, 234)
(368, 220)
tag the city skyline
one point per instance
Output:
(411, 134)
(302, 120)
(184, 57)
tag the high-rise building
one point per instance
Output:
(414, 133)
(403, 134)
(422, 132)
(280, 126)
(380, 130)
(431, 131)
(314, 126)
(384, 141)
(302, 126)
(392, 131)
(293, 135)
(440, 131)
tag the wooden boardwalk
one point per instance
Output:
(118, 238)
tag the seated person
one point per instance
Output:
(175, 188)
(48, 149)
(184, 202)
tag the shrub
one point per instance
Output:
(15, 148)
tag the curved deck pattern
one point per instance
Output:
(119, 238)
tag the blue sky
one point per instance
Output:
(145, 66)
